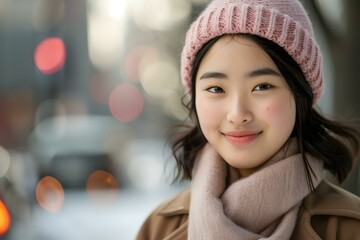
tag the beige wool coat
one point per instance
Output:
(329, 213)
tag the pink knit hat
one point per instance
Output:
(284, 22)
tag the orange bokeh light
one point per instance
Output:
(50, 55)
(102, 186)
(5, 220)
(101, 180)
(50, 194)
(126, 102)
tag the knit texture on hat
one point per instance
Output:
(284, 22)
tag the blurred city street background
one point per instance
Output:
(88, 92)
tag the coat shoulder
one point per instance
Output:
(329, 212)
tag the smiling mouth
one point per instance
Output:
(241, 139)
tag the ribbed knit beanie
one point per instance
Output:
(284, 22)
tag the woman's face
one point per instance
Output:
(245, 107)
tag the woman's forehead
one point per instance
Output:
(236, 52)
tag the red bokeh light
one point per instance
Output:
(126, 102)
(50, 55)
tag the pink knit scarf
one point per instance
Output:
(261, 206)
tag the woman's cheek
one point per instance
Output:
(275, 112)
(207, 113)
(281, 113)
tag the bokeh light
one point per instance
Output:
(4, 161)
(50, 55)
(137, 60)
(160, 15)
(160, 80)
(50, 194)
(102, 187)
(5, 220)
(126, 102)
(106, 31)
(333, 12)
(22, 173)
(115, 9)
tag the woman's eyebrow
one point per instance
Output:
(263, 71)
(252, 74)
(213, 75)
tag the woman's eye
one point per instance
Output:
(215, 89)
(262, 87)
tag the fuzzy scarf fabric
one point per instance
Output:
(263, 205)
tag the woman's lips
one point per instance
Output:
(241, 139)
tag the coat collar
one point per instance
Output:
(329, 199)
(178, 205)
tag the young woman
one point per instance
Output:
(258, 148)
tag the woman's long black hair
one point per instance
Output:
(333, 142)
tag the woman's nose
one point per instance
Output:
(239, 111)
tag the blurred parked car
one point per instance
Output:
(70, 148)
